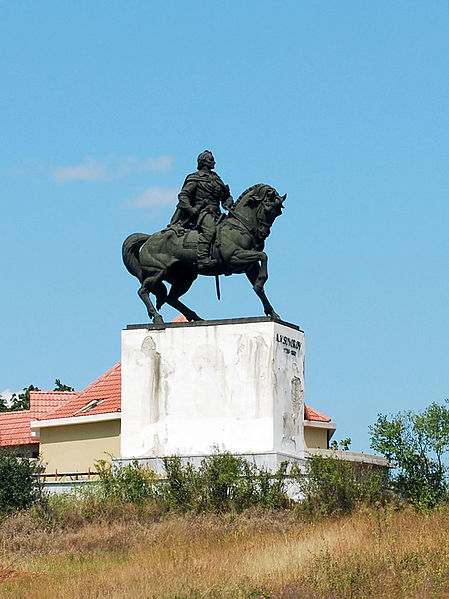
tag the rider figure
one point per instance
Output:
(199, 205)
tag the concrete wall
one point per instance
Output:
(315, 437)
(237, 384)
(76, 447)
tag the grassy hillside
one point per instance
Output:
(136, 554)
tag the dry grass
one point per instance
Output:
(385, 554)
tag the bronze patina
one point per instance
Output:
(199, 206)
(200, 239)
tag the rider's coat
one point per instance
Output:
(202, 193)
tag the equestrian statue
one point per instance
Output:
(201, 239)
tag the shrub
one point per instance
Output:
(331, 486)
(182, 487)
(19, 482)
(223, 482)
(131, 483)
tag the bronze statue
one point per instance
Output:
(186, 247)
(199, 206)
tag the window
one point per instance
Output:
(90, 406)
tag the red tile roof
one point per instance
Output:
(15, 426)
(42, 402)
(180, 318)
(311, 414)
(103, 396)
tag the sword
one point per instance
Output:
(217, 287)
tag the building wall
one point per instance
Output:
(76, 447)
(315, 437)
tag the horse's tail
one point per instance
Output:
(130, 253)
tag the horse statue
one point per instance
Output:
(171, 255)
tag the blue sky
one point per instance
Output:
(341, 105)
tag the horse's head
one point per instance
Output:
(259, 206)
(270, 208)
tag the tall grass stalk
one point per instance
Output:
(258, 553)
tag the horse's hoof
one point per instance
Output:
(274, 316)
(158, 319)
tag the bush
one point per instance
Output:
(131, 483)
(19, 482)
(223, 482)
(332, 486)
(182, 486)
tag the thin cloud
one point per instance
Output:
(112, 167)
(154, 196)
(161, 164)
(90, 171)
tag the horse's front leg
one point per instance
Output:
(262, 275)
(254, 263)
(255, 276)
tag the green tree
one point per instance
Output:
(21, 401)
(61, 387)
(19, 482)
(4, 407)
(344, 444)
(416, 444)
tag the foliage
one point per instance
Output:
(416, 443)
(223, 482)
(131, 483)
(19, 483)
(344, 444)
(18, 401)
(21, 401)
(4, 407)
(61, 387)
(332, 486)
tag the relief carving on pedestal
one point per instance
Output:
(292, 420)
(297, 396)
(153, 364)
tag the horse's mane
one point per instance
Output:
(253, 190)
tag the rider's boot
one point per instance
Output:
(205, 262)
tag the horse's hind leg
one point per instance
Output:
(160, 291)
(178, 288)
(148, 286)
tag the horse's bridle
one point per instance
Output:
(255, 238)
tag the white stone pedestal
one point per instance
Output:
(233, 384)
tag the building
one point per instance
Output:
(73, 430)
(15, 427)
(83, 430)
